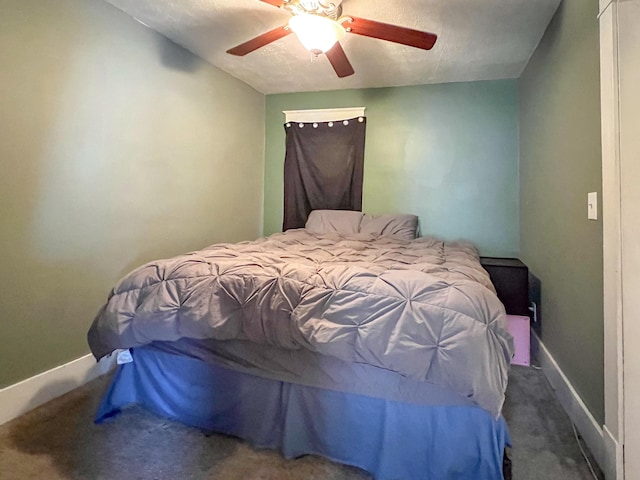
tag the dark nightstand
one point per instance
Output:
(510, 277)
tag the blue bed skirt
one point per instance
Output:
(392, 440)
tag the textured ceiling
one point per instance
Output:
(477, 40)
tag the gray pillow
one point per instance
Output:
(345, 222)
(402, 225)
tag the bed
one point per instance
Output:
(352, 338)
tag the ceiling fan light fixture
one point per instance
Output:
(316, 33)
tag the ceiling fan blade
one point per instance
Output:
(339, 61)
(275, 3)
(260, 41)
(391, 33)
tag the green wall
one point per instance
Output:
(448, 153)
(560, 162)
(116, 147)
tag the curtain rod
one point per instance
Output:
(323, 115)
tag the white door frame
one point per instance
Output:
(620, 104)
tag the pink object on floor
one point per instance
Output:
(519, 329)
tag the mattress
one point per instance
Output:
(304, 367)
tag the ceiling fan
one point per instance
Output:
(319, 25)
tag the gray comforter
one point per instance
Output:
(423, 308)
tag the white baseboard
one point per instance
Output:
(603, 446)
(19, 398)
(614, 453)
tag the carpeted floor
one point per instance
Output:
(544, 443)
(59, 441)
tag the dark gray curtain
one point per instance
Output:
(323, 168)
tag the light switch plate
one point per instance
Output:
(592, 205)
